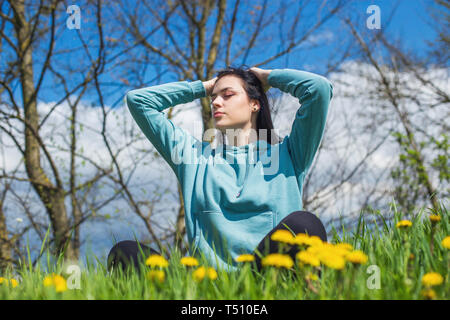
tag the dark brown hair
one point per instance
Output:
(254, 89)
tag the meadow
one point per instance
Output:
(406, 257)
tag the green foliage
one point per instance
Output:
(401, 256)
(413, 173)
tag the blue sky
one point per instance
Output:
(409, 23)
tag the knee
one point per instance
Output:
(306, 222)
(124, 253)
(122, 247)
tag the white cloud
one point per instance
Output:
(344, 122)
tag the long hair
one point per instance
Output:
(254, 89)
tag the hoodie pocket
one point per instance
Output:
(234, 233)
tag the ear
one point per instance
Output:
(254, 103)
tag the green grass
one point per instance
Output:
(387, 247)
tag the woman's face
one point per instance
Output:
(229, 98)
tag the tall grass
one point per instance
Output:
(397, 260)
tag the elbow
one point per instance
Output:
(130, 98)
(324, 87)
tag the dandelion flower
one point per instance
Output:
(278, 260)
(14, 282)
(60, 283)
(57, 281)
(212, 273)
(301, 239)
(435, 218)
(432, 279)
(48, 281)
(304, 239)
(199, 273)
(312, 277)
(315, 241)
(404, 224)
(189, 261)
(5, 281)
(333, 261)
(245, 258)
(156, 275)
(308, 258)
(283, 236)
(356, 257)
(344, 246)
(156, 260)
(446, 242)
(428, 293)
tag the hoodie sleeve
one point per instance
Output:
(314, 93)
(146, 106)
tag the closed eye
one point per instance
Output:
(224, 96)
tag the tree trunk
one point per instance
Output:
(5, 244)
(52, 196)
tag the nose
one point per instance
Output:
(216, 103)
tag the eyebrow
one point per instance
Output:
(224, 89)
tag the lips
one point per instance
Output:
(218, 114)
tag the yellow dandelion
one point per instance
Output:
(411, 256)
(312, 277)
(308, 258)
(189, 261)
(403, 224)
(356, 257)
(199, 273)
(156, 275)
(315, 241)
(212, 273)
(48, 281)
(316, 249)
(301, 239)
(278, 260)
(432, 279)
(446, 242)
(333, 261)
(435, 218)
(339, 249)
(283, 236)
(326, 248)
(5, 281)
(156, 260)
(59, 283)
(245, 258)
(344, 246)
(14, 282)
(428, 293)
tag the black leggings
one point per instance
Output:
(126, 253)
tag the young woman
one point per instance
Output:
(237, 194)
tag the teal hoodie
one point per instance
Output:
(233, 196)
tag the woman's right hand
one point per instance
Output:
(262, 75)
(209, 85)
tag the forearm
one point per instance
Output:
(314, 93)
(162, 96)
(301, 84)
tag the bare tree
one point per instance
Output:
(413, 102)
